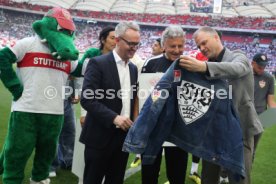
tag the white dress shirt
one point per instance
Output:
(124, 75)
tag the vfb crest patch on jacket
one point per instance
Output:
(193, 101)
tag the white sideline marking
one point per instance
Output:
(132, 171)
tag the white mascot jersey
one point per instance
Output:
(42, 76)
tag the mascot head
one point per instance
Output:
(57, 29)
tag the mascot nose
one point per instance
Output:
(77, 53)
(74, 52)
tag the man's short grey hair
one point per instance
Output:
(205, 29)
(172, 31)
(121, 28)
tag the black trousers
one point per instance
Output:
(176, 166)
(108, 163)
(210, 172)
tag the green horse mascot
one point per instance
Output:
(44, 62)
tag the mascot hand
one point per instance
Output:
(16, 91)
(92, 52)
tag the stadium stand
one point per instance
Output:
(245, 35)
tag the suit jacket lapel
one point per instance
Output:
(114, 71)
(132, 74)
(133, 80)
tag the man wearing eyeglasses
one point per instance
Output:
(108, 94)
(172, 41)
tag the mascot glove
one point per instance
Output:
(92, 52)
(16, 91)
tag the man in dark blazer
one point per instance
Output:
(108, 94)
(235, 68)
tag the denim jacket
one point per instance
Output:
(192, 112)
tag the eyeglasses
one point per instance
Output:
(132, 44)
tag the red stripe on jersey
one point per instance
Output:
(43, 60)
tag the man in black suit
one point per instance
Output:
(108, 94)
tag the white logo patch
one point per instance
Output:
(193, 101)
(262, 83)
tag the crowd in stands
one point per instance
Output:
(17, 25)
(240, 22)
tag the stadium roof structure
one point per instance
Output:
(230, 8)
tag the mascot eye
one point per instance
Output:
(66, 31)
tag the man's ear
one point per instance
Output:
(37, 27)
(102, 41)
(117, 39)
(216, 36)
